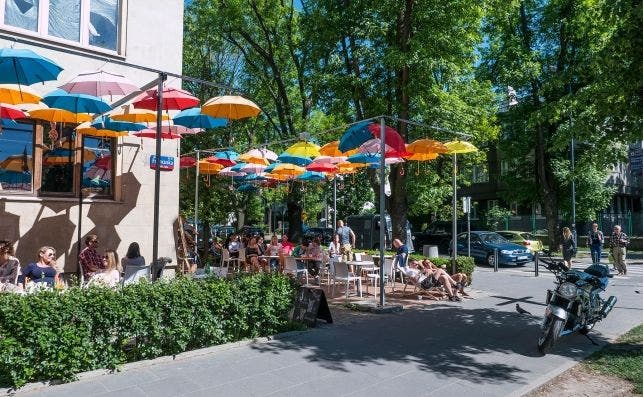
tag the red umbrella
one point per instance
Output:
(187, 162)
(321, 167)
(149, 133)
(173, 99)
(393, 138)
(104, 163)
(223, 162)
(10, 112)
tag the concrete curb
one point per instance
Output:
(541, 380)
(33, 386)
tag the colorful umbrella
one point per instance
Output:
(167, 128)
(104, 163)
(251, 168)
(279, 177)
(226, 158)
(459, 147)
(11, 112)
(86, 129)
(321, 167)
(105, 122)
(229, 172)
(128, 113)
(254, 177)
(304, 149)
(150, 133)
(237, 167)
(23, 66)
(14, 94)
(349, 168)
(422, 156)
(173, 99)
(426, 146)
(288, 169)
(17, 163)
(373, 146)
(364, 158)
(231, 107)
(271, 167)
(209, 168)
(332, 149)
(193, 118)
(247, 187)
(259, 156)
(329, 159)
(292, 159)
(95, 172)
(64, 156)
(75, 103)
(359, 133)
(59, 116)
(187, 162)
(312, 176)
(100, 83)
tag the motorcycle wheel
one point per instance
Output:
(550, 335)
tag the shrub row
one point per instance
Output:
(55, 335)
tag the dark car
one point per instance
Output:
(250, 231)
(483, 245)
(224, 231)
(325, 233)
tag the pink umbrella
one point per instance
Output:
(93, 172)
(261, 153)
(329, 159)
(251, 168)
(11, 112)
(321, 167)
(100, 83)
(228, 172)
(373, 146)
(173, 99)
(150, 133)
(223, 162)
(174, 129)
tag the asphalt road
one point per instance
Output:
(477, 347)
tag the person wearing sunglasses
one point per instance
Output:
(42, 271)
(90, 260)
(9, 265)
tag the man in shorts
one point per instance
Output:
(347, 239)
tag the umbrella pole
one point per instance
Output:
(454, 226)
(196, 199)
(80, 210)
(335, 202)
(382, 207)
(157, 170)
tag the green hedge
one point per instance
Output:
(55, 335)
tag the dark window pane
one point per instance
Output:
(97, 171)
(64, 19)
(16, 156)
(21, 14)
(58, 160)
(103, 20)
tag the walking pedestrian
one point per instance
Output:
(618, 243)
(568, 246)
(347, 238)
(595, 242)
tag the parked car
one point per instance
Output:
(224, 231)
(439, 233)
(483, 244)
(523, 238)
(326, 234)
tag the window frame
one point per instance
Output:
(42, 31)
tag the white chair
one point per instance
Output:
(375, 276)
(135, 273)
(358, 256)
(324, 268)
(396, 269)
(290, 267)
(342, 274)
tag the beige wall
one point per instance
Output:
(153, 38)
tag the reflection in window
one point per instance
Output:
(22, 14)
(64, 19)
(16, 156)
(103, 18)
(97, 168)
(58, 160)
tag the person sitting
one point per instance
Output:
(335, 248)
(286, 246)
(315, 255)
(274, 250)
(451, 283)
(234, 246)
(90, 261)
(300, 251)
(43, 270)
(9, 265)
(133, 257)
(111, 276)
(252, 255)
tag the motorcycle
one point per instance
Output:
(574, 304)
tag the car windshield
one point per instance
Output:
(493, 238)
(527, 236)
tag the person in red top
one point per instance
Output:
(89, 258)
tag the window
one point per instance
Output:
(16, 157)
(97, 166)
(90, 23)
(504, 167)
(513, 207)
(492, 203)
(480, 174)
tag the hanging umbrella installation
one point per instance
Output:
(230, 107)
(100, 83)
(293, 159)
(172, 99)
(76, 103)
(226, 158)
(23, 66)
(304, 149)
(14, 94)
(361, 132)
(59, 116)
(193, 118)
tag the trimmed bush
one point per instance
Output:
(55, 335)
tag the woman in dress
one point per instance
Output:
(252, 255)
(274, 250)
(42, 271)
(568, 246)
(111, 276)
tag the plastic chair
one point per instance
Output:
(374, 277)
(343, 275)
(290, 267)
(135, 273)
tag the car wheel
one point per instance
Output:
(491, 260)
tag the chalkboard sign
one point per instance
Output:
(311, 304)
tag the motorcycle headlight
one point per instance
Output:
(567, 290)
(506, 252)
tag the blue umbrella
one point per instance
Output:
(270, 167)
(76, 103)
(23, 66)
(253, 178)
(237, 167)
(227, 154)
(193, 118)
(246, 187)
(293, 159)
(106, 123)
(312, 176)
(354, 136)
(364, 158)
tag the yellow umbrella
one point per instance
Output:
(17, 163)
(279, 177)
(15, 94)
(459, 147)
(332, 149)
(231, 107)
(304, 149)
(249, 158)
(207, 168)
(288, 169)
(427, 146)
(133, 115)
(349, 168)
(59, 115)
(87, 129)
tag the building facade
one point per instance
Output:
(46, 166)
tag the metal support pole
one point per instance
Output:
(157, 171)
(469, 232)
(382, 207)
(196, 201)
(495, 259)
(454, 226)
(334, 202)
(573, 193)
(536, 255)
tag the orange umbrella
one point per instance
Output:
(59, 116)
(87, 129)
(15, 94)
(426, 146)
(128, 113)
(207, 168)
(231, 107)
(288, 169)
(332, 149)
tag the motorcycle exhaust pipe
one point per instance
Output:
(608, 306)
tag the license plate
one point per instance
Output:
(522, 258)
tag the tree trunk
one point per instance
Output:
(294, 198)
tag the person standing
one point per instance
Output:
(568, 247)
(595, 242)
(347, 238)
(89, 259)
(401, 252)
(618, 243)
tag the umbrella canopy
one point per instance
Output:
(293, 159)
(332, 149)
(288, 169)
(75, 103)
(321, 167)
(231, 107)
(422, 156)
(193, 118)
(11, 112)
(364, 158)
(373, 146)
(173, 99)
(229, 172)
(312, 176)
(251, 168)
(86, 129)
(349, 168)
(246, 187)
(167, 128)
(17, 163)
(149, 133)
(304, 149)
(128, 113)
(100, 83)
(426, 146)
(359, 133)
(187, 162)
(279, 177)
(329, 159)
(59, 115)
(254, 177)
(237, 167)
(209, 168)
(105, 122)
(458, 147)
(226, 158)
(259, 156)
(14, 94)
(271, 167)
(23, 66)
